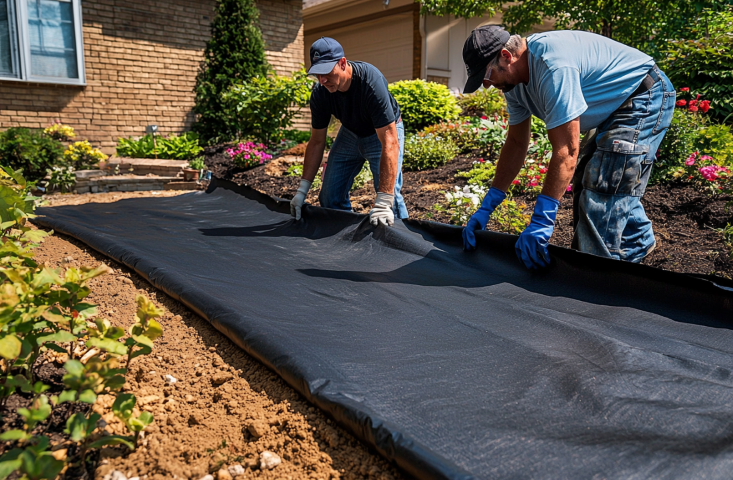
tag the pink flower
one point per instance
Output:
(709, 173)
(705, 157)
(690, 160)
(570, 188)
(533, 183)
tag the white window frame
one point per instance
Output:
(24, 48)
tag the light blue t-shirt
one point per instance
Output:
(576, 74)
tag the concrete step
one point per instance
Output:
(144, 166)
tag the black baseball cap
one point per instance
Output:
(325, 53)
(481, 47)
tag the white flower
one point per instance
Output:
(458, 202)
(466, 189)
(474, 199)
(458, 189)
(530, 161)
(449, 197)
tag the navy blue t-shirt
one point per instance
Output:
(364, 107)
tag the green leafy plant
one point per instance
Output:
(462, 133)
(234, 53)
(123, 409)
(727, 234)
(484, 101)
(481, 173)
(197, 163)
(361, 179)
(459, 8)
(296, 170)
(461, 203)
(703, 62)
(265, 106)
(426, 152)
(31, 151)
(62, 178)
(509, 217)
(424, 103)
(174, 147)
(35, 461)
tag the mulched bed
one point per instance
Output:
(684, 218)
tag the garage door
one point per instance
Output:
(386, 43)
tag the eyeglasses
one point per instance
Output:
(487, 77)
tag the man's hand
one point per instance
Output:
(478, 220)
(531, 247)
(382, 211)
(296, 204)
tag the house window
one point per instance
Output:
(40, 41)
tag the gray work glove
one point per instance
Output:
(296, 204)
(382, 211)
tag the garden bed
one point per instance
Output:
(684, 218)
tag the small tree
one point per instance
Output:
(234, 53)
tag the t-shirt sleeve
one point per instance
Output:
(378, 102)
(562, 96)
(517, 112)
(320, 112)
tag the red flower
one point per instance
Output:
(74, 314)
(685, 89)
(515, 182)
(484, 117)
(481, 160)
(681, 103)
(705, 105)
(693, 108)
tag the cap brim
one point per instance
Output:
(322, 68)
(474, 82)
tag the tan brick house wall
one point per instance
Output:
(141, 60)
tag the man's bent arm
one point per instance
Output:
(512, 155)
(565, 141)
(314, 153)
(389, 159)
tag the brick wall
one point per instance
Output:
(141, 61)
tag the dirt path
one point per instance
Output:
(225, 408)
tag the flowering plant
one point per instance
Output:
(81, 155)
(463, 202)
(703, 171)
(58, 131)
(692, 105)
(248, 155)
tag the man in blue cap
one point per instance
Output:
(371, 131)
(575, 81)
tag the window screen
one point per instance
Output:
(52, 39)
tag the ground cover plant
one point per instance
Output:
(176, 147)
(43, 314)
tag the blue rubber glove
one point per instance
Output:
(478, 220)
(531, 247)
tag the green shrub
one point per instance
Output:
(486, 102)
(264, 107)
(183, 147)
(482, 173)
(235, 52)
(424, 103)
(717, 141)
(197, 163)
(426, 152)
(705, 64)
(461, 133)
(296, 170)
(682, 138)
(31, 151)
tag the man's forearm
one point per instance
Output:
(559, 174)
(313, 158)
(388, 168)
(510, 163)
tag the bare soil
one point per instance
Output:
(225, 408)
(684, 219)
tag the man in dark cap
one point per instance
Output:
(371, 131)
(575, 81)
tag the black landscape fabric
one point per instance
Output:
(452, 364)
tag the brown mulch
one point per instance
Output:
(684, 218)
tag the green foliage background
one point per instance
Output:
(234, 53)
(424, 103)
(31, 151)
